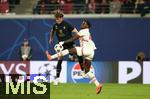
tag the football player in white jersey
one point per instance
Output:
(86, 49)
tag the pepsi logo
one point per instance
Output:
(77, 76)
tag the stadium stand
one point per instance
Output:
(25, 7)
(13, 3)
(92, 6)
(75, 6)
(7, 6)
(4, 6)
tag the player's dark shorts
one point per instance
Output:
(69, 46)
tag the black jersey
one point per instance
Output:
(64, 32)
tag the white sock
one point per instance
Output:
(93, 78)
(57, 79)
(62, 53)
(83, 74)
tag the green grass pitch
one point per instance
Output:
(109, 91)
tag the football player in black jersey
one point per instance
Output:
(63, 31)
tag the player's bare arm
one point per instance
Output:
(51, 36)
(75, 37)
(75, 31)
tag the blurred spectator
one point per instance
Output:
(79, 6)
(4, 6)
(127, 6)
(54, 5)
(104, 6)
(140, 57)
(61, 3)
(67, 7)
(43, 5)
(114, 6)
(46, 6)
(25, 51)
(91, 6)
(139, 6)
(142, 7)
(146, 8)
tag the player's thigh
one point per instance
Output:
(89, 54)
(79, 51)
(72, 50)
(87, 51)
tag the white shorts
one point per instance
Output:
(87, 52)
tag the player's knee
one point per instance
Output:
(87, 69)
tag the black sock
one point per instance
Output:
(58, 68)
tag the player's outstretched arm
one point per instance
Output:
(75, 37)
(51, 36)
(75, 31)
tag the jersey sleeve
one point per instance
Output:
(70, 27)
(81, 33)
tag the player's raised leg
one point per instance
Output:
(90, 74)
(61, 53)
(57, 55)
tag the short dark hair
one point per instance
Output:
(87, 22)
(59, 14)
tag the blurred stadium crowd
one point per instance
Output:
(6, 6)
(81, 6)
(92, 6)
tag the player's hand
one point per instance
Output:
(50, 41)
(61, 43)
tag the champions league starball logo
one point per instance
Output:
(76, 74)
(47, 70)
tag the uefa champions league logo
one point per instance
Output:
(47, 70)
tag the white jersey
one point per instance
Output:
(85, 39)
(87, 46)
